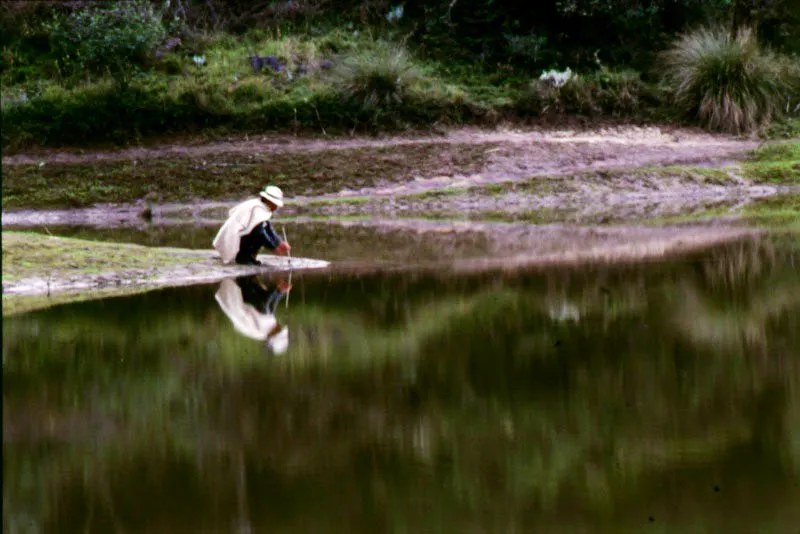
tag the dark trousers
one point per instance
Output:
(262, 235)
(253, 293)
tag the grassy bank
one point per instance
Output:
(30, 255)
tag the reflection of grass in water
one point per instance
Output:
(18, 304)
(471, 384)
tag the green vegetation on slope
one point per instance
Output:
(74, 75)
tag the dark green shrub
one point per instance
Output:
(619, 92)
(117, 38)
(728, 81)
(616, 93)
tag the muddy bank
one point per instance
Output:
(589, 198)
(309, 170)
(616, 174)
(696, 142)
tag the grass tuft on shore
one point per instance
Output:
(729, 81)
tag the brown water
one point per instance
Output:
(661, 397)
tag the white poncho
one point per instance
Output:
(242, 218)
(246, 319)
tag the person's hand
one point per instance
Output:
(283, 286)
(283, 249)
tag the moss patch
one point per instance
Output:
(31, 255)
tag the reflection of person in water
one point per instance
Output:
(250, 305)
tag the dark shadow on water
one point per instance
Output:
(596, 399)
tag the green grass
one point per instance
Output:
(433, 194)
(784, 128)
(780, 212)
(31, 255)
(777, 163)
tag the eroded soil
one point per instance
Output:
(598, 171)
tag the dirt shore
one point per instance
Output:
(627, 171)
(591, 145)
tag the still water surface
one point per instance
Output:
(662, 397)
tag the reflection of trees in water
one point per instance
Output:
(476, 405)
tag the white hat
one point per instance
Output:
(273, 194)
(279, 342)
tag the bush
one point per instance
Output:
(616, 93)
(118, 38)
(728, 81)
(381, 77)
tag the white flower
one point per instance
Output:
(557, 78)
(199, 60)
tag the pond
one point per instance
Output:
(658, 396)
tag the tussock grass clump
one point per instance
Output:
(383, 76)
(729, 81)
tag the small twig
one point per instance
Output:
(214, 18)
(48, 231)
(320, 120)
(449, 9)
(289, 253)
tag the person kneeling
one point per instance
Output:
(248, 228)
